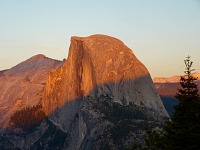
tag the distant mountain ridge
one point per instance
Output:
(169, 86)
(173, 78)
(22, 85)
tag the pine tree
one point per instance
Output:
(183, 132)
(27, 117)
(188, 88)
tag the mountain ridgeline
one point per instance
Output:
(167, 89)
(23, 85)
(101, 97)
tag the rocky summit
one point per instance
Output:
(101, 97)
(23, 85)
(101, 65)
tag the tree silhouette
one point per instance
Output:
(188, 88)
(183, 132)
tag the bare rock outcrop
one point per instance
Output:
(101, 97)
(22, 85)
(101, 65)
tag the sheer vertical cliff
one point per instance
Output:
(101, 97)
(96, 66)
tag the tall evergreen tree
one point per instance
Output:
(188, 90)
(183, 132)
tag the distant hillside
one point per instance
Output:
(167, 89)
(169, 86)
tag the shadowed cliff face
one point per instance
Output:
(100, 65)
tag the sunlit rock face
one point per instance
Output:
(96, 66)
(101, 97)
(23, 85)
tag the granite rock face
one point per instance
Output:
(23, 85)
(101, 65)
(102, 97)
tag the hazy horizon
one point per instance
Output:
(160, 33)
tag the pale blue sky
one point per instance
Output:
(160, 32)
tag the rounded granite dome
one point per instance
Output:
(102, 43)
